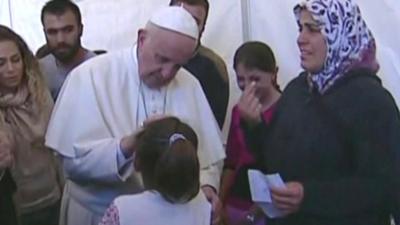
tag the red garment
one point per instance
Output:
(238, 154)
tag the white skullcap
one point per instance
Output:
(177, 19)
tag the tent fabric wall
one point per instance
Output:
(113, 25)
(24, 19)
(273, 23)
(4, 13)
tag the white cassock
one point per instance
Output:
(102, 101)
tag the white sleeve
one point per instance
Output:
(102, 162)
(211, 175)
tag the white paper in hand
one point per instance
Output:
(274, 180)
(258, 187)
(260, 191)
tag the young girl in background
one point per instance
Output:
(256, 73)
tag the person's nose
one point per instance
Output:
(169, 70)
(302, 37)
(10, 66)
(60, 37)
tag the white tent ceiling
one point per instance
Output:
(113, 25)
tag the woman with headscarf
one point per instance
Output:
(335, 135)
(25, 107)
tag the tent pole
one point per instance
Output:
(245, 20)
(10, 14)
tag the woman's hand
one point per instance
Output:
(249, 105)
(288, 199)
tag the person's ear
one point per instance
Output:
(142, 35)
(80, 30)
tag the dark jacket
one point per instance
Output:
(343, 146)
(210, 71)
(7, 211)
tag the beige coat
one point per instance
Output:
(34, 170)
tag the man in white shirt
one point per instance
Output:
(104, 102)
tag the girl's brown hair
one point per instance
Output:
(166, 153)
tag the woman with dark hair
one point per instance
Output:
(335, 135)
(25, 107)
(256, 72)
(166, 156)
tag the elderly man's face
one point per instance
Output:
(160, 55)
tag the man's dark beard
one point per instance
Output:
(66, 56)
